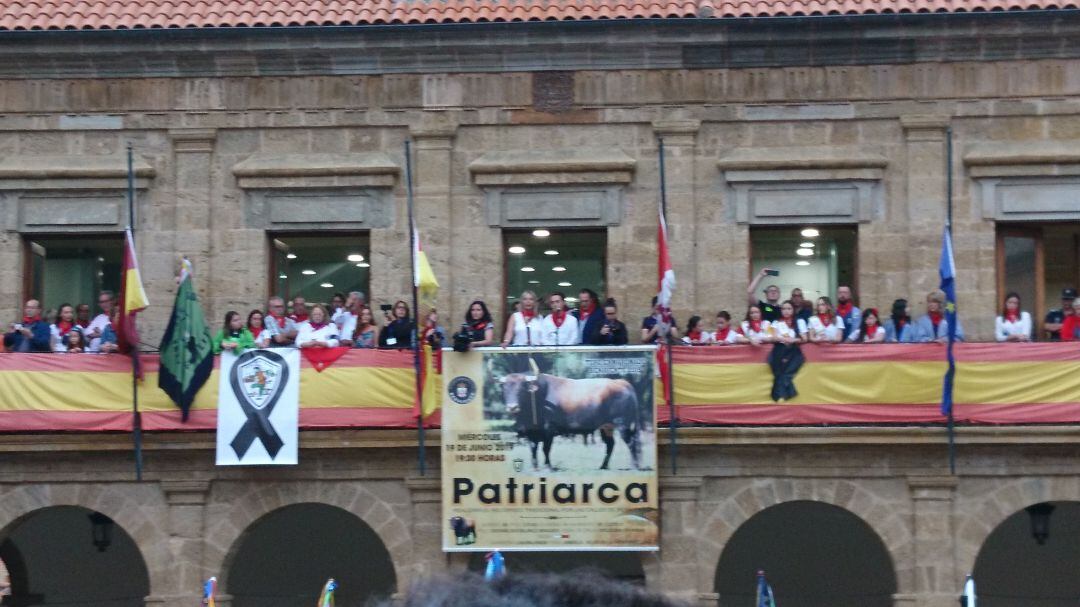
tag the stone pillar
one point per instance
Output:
(926, 202)
(192, 223)
(935, 577)
(425, 492)
(434, 220)
(676, 570)
(186, 500)
(680, 137)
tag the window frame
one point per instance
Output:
(855, 270)
(271, 264)
(503, 232)
(28, 239)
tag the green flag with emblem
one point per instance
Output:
(186, 354)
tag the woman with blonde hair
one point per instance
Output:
(524, 327)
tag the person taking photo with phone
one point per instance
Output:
(770, 306)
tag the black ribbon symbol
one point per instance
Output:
(258, 419)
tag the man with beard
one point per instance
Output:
(845, 309)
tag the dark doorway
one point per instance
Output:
(1014, 570)
(52, 559)
(813, 555)
(284, 558)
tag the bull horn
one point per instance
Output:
(533, 366)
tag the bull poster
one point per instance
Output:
(549, 449)
(259, 408)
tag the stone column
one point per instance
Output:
(185, 500)
(192, 223)
(935, 579)
(435, 222)
(676, 570)
(426, 496)
(926, 201)
(680, 138)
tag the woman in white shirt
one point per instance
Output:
(786, 330)
(870, 331)
(317, 331)
(754, 328)
(724, 333)
(1014, 324)
(696, 335)
(65, 324)
(524, 328)
(825, 326)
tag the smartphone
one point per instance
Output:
(385, 307)
(772, 272)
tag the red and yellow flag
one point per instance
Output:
(132, 298)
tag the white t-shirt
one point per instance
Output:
(1004, 328)
(566, 335)
(346, 324)
(834, 332)
(732, 336)
(327, 333)
(531, 334)
(100, 322)
(752, 335)
(781, 330)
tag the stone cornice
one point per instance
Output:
(571, 165)
(1029, 152)
(60, 172)
(316, 170)
(801, 158)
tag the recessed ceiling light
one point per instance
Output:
(283, 275)
(802, 262)
(363, 264)
(528, 269)
(566, 284)
(516, 250)
(534, 282)
(541, 233)
(571, 299)
(327, 285)
(806, 245)
(558, 269)
(355, 257)
(308, 272)
(551, 252)
(809, 233)
(291, 256)
(804, 252)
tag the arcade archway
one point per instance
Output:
(1014, 570)
(625, 566)
(814, 555)
(284, 558)
(72, 556)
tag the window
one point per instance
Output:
(72, 268)
(554, 260)
(1037, 261)
(315, 267)
(813, 258)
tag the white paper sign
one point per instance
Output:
(259, 408)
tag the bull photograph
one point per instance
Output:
(549, 448)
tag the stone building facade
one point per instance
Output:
(241, 133)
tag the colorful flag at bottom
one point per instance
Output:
(326, 597)
(209, 590)
(764, 592)
(496, 566)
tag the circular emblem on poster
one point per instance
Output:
(462, 390)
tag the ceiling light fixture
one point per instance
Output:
(327, 285)
(806, 245)
(810, 233)
(558, 269)
(802, 263)
(291, 256)
(541, 233)
(566, 284)
(528, 269)
(355, 257)
(551, 252)
(516, 250)
(804, 252)
(363, 264)
(308, 272)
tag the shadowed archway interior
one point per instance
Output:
(284, 558)
(1014, 570)
(813, 554)
(52, 560)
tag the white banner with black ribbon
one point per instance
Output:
(259, 408)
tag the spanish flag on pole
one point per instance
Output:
(132, 299)
(423, 277)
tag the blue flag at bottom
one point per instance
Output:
(764, 592)
(947, 270)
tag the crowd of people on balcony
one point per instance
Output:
(349, 321)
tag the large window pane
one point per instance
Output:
(812, 258)
(562, 260)
(316, 267)
(73, 269)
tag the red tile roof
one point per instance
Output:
(130, 14)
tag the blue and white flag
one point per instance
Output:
(764, 592)
(947, 270)
(496, 566)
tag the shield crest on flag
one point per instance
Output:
(260, 379)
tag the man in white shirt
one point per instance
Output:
(346, 320)
(559, 328)
(106, 301)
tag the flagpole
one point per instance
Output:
(673, 421)
(136, 416)
(421, 455)
(952, 329)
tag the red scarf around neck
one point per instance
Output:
(694, 335)
(317, 326)
(280, 320)
(29, 320)
(871, 331)
(825, 319)
(722, 334)
(755, 326)
(558, 318)
(255, 332)
(1012, 316)
(843, 310)
(528, 315)
(585, 312)
(64, 327)
(935, 318)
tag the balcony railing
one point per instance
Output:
(843, 384)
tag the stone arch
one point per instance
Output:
(886, 509)
(984, 505)
(137, 508)
(384, 506)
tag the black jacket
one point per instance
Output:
(399, 329)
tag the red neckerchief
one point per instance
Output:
(825, 319)
(558, 318)
(755, 326)
(64, 327)
(280, 320)
(317, 326)
(900, 323)
(298, 317)
(584, 313)
(83, 323)
(528, 315)
(29, 320)
(871, 331)
(843, 310)
(694, 335)
(722, 334)
(1012, 316)
(480, 325)
(935, 318)
(255, 332)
